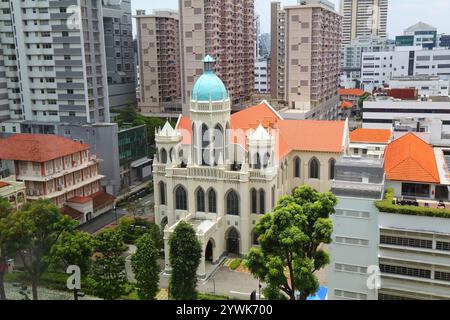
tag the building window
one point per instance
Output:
(232, 203)
(406, 271)
(254, 201)
(205, 145)
(262, 201)
(406, 242)
(162, 193)
(416, 190)
(200, 200)
(297, 164)
(163, 155)
(180, 198)
(314, 169)
(331, 165)
(212, 203)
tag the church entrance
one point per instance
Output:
(233, 241)
(209, 251)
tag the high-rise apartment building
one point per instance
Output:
(312, 58)
(223, 29)
(54, 64)
(277, 50)
(363, 18)
(120, 63)
(159, 62)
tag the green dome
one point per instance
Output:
(209, 86)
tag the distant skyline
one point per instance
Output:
(402, 13)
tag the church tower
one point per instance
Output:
(210, 119)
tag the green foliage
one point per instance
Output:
(146, 268)
(363, 98)
(108, 269)
(32, 232)
(5, 212)
(386, 205)
(289, 239)
(73, 249)
(131, 117)
(184, 257)
(132, 229)
(235, 264)
(210, 296)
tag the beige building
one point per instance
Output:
(13, 191)
(58, 169)
(159, 62)
(312, 58)
(223, 29)
(221, 172)
(363, 18)
(277, 51)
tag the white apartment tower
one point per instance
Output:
(54, 64)
(363, 18)
(223, 29)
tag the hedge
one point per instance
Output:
(235, 264)
(386, 205)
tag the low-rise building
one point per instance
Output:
(426, 85)
(369, 143)
(57, 169)
(13, 191)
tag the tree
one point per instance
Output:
(289, 241)
(73, 249)
(184, 257)
(134, 207)
(5, 212)
(132, 229)
(146, 268)
(108, 269)
(33, 230)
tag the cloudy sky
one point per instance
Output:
(402, 13)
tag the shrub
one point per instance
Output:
(210, 296)
(132, 229)
(235, 264)
(386, 205)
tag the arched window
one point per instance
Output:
(266, 160)
(180, 198)
(314, 169)
(172, 155)
(262, 201)
(273, 197)
(297, 167)
(205, 145)
(232, 203)
(218, 145)
(200, 200)
(162, 193)
(212, 202)
(254, 201)
(331, 165)
(194, 143)
(163, 155)
(256, 161)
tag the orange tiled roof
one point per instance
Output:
(38, 147)
(346, 105)
(409, 158)
(79, 200)
(299, 135)
(370, 135)
(71, 212)
(3, 184)
(101, 198)
(351, 92)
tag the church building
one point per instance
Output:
(220, 171)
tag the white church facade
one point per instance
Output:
(220, 171)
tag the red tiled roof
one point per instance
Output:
(71, 212)
(370, 135)
(38, 147)
(351, 92)
(330, 132)
(3, 184)
(409, 158)
(101, 198)
(346, 105)
(79, 200)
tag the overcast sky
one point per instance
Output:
(402, 13)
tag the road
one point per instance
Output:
(101, 221)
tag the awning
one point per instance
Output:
(140, 162)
